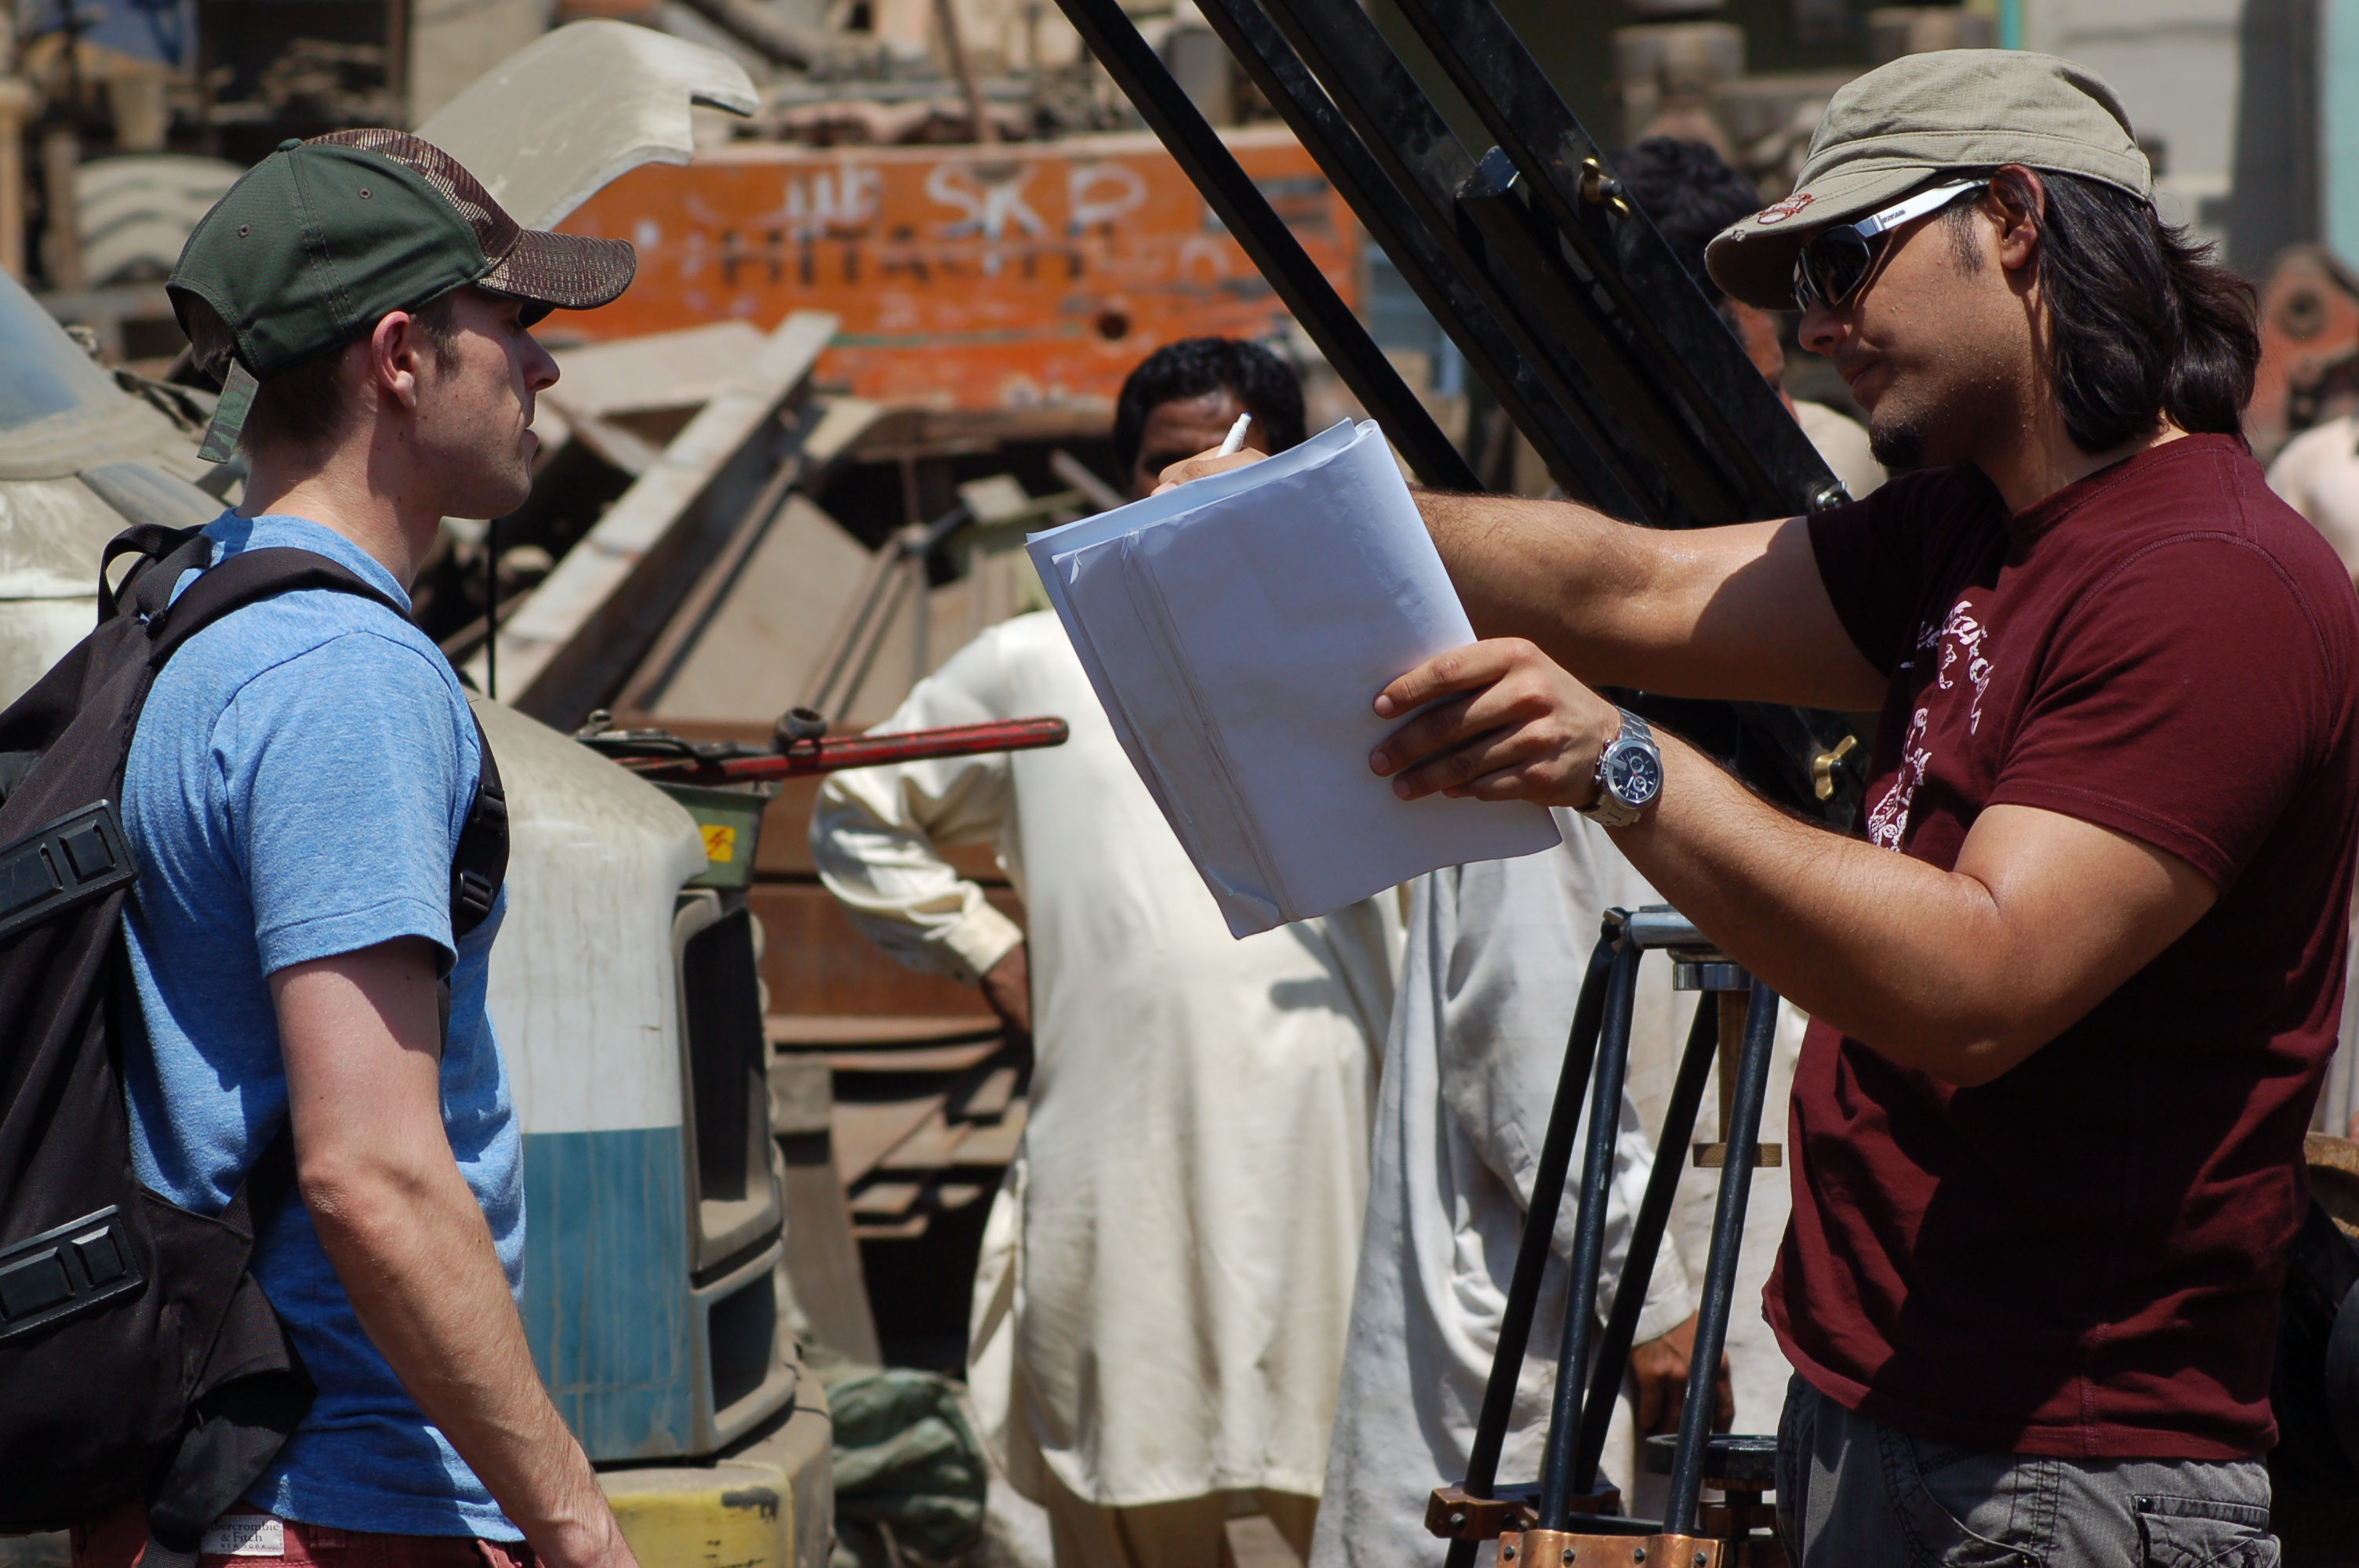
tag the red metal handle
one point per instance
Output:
(834, 752)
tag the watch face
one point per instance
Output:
(1634, 774)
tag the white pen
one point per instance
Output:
(1235, 441)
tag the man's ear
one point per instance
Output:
(2017, 199)
(396, 355)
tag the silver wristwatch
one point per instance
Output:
(1629, 775)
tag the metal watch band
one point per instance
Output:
(1610, 810)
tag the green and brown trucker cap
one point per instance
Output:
(1925, 117)
(315, 244)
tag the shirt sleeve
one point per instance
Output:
(345, 776)
(875, 833)
(1873, 557)
(2184, 702)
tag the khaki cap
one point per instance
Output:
(1923, 115)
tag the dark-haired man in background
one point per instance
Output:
(1159, 1312)
(2075, 982)
(1184, 396)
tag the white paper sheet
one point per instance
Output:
(1236, 630)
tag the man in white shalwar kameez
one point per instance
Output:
(1491, 972)
(1167, 1273)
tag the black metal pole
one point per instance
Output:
(1540, 1229)
(1646, 1240)
(1455, 291)
(1226, 189)
(1742, 1140)
(1605, 1082)
(1380, 99)
(1732, 419)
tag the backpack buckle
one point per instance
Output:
(63, 1273)
(79, 857)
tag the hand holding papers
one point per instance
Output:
(1236, 630)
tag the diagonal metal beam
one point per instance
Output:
(1456, 293)
(1735, 422)
(1239, 203)
(1399, 126)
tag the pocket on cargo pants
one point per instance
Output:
(2194, 1533)
(1965, 1507)
(1795, 1441)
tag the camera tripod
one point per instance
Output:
(1568, 1518)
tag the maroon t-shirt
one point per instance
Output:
(2082, 1257)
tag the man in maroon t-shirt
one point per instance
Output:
(2075, 979)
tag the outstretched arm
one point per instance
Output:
(1962, 973)
(1737, 612)
(361, 1033)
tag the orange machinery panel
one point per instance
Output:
(1030, 275)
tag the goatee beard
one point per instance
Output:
(1899, 445)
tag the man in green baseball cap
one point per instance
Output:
(2074, 978)
(306, 956)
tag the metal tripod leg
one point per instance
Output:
(1542, 1519)
(1606, 1078)
(1742, 1136)
(1532, 1251)
(1645, 1241)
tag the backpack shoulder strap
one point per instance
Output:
(245, 578)
(480, 864)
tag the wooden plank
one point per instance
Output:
(930, 1146)
(803, 1098)
(659, 370)
(865, 1131)
(616, 446)
(916, 1059)
(885, 1200)
(988, 1100)
(593, 618)
(822, 1263)
(994, 1144)
(689, 624)
(953, 1197)
(907, 1229)
(817, 962)
(799, 1030)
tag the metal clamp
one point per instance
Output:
(1823, 765)
(1600, 188)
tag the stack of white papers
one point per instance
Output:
(1237, 630)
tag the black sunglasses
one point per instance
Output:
(1832, 264)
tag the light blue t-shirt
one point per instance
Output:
(296, 786)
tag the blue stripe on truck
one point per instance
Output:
(606, 1286)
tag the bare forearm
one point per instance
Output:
(416, 1258)
(1918, 963)
(1737, 612)
(1961, 972)
(1571, 579)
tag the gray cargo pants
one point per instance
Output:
(1855, 1494)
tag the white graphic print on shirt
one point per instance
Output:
(1960, 639)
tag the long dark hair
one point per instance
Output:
(2142, 322)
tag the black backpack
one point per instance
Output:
(138, 1359)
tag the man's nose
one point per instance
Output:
(540, 365)
(1822, 332)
